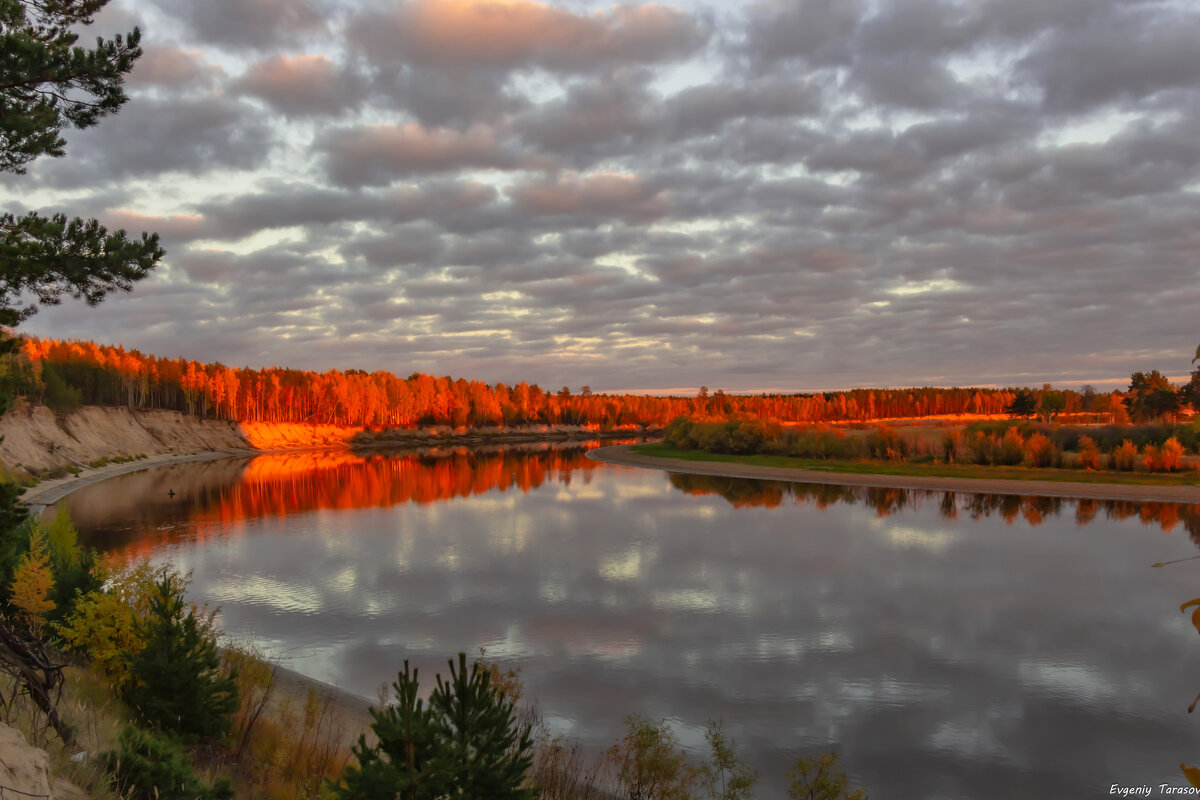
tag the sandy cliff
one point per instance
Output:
(37, 442)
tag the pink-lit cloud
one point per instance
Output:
(174, 68)
(514, 33)
(612, 195)
(302, 85)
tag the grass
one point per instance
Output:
(931, 470)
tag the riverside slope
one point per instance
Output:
(38, 442)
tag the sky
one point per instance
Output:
(790, 196)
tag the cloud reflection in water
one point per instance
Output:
(948, 644)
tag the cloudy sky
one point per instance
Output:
(794, 195)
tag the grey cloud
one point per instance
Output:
(1127, 55)
(817, 31)
(254, 24)
(283, 205)
(172, 228)
(156, 135)
(416, 243)
(447, 98)
(910, 82)
(490, 248)
(593, 118)
(378, 155)
(926, 27)
(701, 109)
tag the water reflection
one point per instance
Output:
(282, 484)
(950, 645)
(748, 493)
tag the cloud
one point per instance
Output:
(1125, 56)
(807, 194)
(158, 135)
(247, 24)
(379, 154)
(440, 98)
(819, 32)
(179, 227)
(595, 197)
(507, 34)
(301, 86)
(173, 68)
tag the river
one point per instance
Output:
(945, 645)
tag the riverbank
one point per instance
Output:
(470, 437)
(48, 492)
(627, 455)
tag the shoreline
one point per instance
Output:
(350, 711)
(624, 456)
(48, 492)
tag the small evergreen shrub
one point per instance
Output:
(150, 767)
(177, 685)
(464, 743)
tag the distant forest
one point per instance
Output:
(65, 374)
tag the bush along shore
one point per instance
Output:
(130, 675)
(1114, 451)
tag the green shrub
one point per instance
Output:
(821, 778)
(981, 448)
(149, 767)
(951, 444)
(885, 443)
(1011, 450)
(649, 763)
(60, 398)
(72, 566)
(725, 776)
(678, 434)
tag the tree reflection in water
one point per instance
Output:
(751, 493)
(281, 484)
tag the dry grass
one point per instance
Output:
(282, 747)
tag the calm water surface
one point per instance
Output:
(947, 645)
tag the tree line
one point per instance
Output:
(67, 373)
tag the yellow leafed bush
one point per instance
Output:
(32, 582)
(104, 625)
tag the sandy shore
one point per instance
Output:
(47, 493)
(350, 713)
(624, 455)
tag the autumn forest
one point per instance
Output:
(65, 374)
